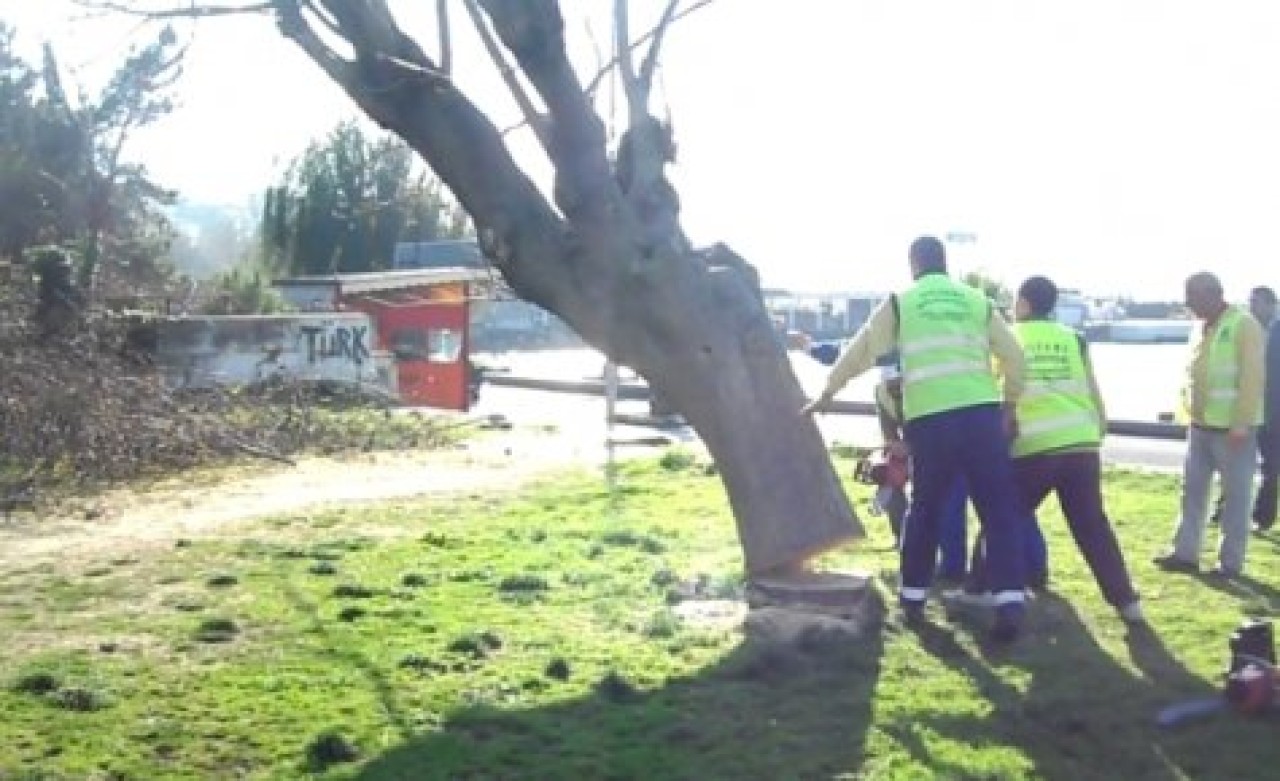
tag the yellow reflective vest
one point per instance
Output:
(1222, 374)
(1056, 410)
(944, 346)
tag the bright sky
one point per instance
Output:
(1114, 146)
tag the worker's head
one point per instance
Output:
(927, 256)
(1204, 295)
(1037, 297)
(1262, 304)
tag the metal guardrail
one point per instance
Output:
(632, 391)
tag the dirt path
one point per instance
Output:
(126, 521)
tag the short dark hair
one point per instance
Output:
(928, 254)
(1263, 292)
(1040, 294)
(1205, 282)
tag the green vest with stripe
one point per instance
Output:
(1056, 409)
(944, 346)
(1222, 372)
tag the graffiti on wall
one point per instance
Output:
(337, 342)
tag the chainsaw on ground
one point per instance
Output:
(1252, 686)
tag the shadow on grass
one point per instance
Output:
(1085, 714)
(1257, 596)
(1070, 708)
(764, 711)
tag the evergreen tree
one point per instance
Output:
(347, 200)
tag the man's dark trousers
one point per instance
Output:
(1264, 505)
(1076, 479)
(969, 441)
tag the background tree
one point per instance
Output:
(39, 158)
(125, 233)
(64, 177)
(347, 200)
(607, 252)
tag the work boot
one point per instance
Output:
(1169, 562)
(1220, 572)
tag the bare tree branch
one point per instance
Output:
(613, 63)
(533, 31)
(532, 117)
(611, 116)
(637, 98)
(295, 27)
(328, 21)
(608, 67)
(378, 43)
(646, 147)
(191, 11)
(651, 57)
(446, 44)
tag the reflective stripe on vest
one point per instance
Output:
(946, 353)
(1222, 372)
(947, 369)
(1056, 410)
(1037, 388)
(934, 342)
(1085, 421)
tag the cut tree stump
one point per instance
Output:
(829, 593)
(830, 606)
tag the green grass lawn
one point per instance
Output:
(532, 637)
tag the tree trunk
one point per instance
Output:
(610, 260)
(727, 372)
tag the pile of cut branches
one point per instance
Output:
(81, 403)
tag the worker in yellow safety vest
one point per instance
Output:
(1222, 406)
(1060, 422)
(955, 411)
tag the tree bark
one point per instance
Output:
(725, 369)
(611, 260)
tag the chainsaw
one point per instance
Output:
(1252, 686)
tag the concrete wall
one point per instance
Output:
(239, 350)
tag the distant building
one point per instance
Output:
(444, 253)
(500, 320)
(823, 316)
(1072, 310)
(420, 318)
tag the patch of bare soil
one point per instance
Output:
(128, 520)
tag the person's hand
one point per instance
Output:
(819, 404)
(896, 449)
(1237, 435)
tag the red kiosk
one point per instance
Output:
(422, 318)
